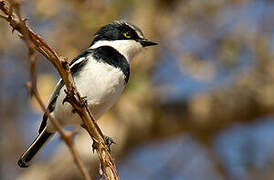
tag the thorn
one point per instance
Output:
(84, 126)
(94, 145)
(64, 63)
(84, 101)
(25, 20)
(93, 148)
(66, 99)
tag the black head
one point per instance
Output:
(121, 30)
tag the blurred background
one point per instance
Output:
(198, 106)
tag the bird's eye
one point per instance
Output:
(127, 35)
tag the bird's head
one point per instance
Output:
(126, 38)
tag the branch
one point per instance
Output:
(66, 135)
(35, 42)
(4, 17)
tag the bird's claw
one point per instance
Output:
(108, 141)
(84, 101)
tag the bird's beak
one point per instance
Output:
(145, 43)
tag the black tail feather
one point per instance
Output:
(27, 156)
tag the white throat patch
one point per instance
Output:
(128, 48)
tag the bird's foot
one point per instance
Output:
(108, 141)
(84, 101)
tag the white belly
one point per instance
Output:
(100, 83)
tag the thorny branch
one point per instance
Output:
(66, 135)
(35, 42)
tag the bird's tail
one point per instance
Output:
(34, 148)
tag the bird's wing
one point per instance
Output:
(75, 66)
(51, 104)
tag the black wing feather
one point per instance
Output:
(74, 69)
(51, 105)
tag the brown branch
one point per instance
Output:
(73, 96)
(65, 135)
(31, 86)
(4, 17)
(32, 63)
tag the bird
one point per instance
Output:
(100, 72)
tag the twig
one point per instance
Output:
(103, 159)
(4, 17)
(32, 59)
(66, 135)
(73, 96)
(107, 162)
